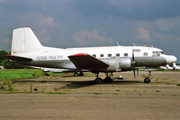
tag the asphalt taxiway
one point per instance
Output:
(68, 97)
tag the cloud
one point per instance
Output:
(130, 10)
(164, 24)
(39, 19)
(142, 34)
(41, 24)
(84, 37)
(166, 38)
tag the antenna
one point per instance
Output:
(117, 43)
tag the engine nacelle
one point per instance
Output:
(125, 64)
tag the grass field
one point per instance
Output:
(13, 74)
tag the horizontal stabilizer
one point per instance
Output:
(85, 61)
(18, 58)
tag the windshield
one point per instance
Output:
(162, 52)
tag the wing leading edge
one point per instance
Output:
(85, 61)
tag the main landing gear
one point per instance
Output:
(108, 79)
(99, 80)
(148, 79)
(80, 74)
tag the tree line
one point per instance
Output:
(8, 64)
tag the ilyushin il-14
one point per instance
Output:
(26, 49)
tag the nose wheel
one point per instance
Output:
(148, 80)
(98, 80)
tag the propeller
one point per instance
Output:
(133, 63)
(137, 72)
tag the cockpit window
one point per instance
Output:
(162, 52)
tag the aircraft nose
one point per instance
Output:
(170, 59)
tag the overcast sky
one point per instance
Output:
(79, 23)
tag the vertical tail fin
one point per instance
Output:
(24, 41)
(174, 64)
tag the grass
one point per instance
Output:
(158, 91)
(14, 74)
(118, 90)
(7, 86)
(43, 88)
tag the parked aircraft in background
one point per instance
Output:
(175, 67)
(26, 49)
(169, 67)
(57, 70)
(163, 67)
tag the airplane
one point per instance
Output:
(57, 70)
(169, 67)
(176, 67)
(26, 49)
(163, 67)
(54, 70)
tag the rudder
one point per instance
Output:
(24, 41)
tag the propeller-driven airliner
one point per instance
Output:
(26, 49)
(175, 67)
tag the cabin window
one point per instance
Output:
(117, 55)
(145, 54)
(156, 53)
(101, 55)
(125, 54)
(109, 55)
(94, 55)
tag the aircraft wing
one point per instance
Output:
(12, 57)
(85, 61)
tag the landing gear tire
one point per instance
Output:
(98, 80)
(147, 80)
(81, 74)
(108, 79)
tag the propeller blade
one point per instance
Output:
(133, 64)
(133, 55)
(137, 72)
(134, 72)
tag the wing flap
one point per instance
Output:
(18, 58)
(85, 61)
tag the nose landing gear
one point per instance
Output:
(148, 79)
